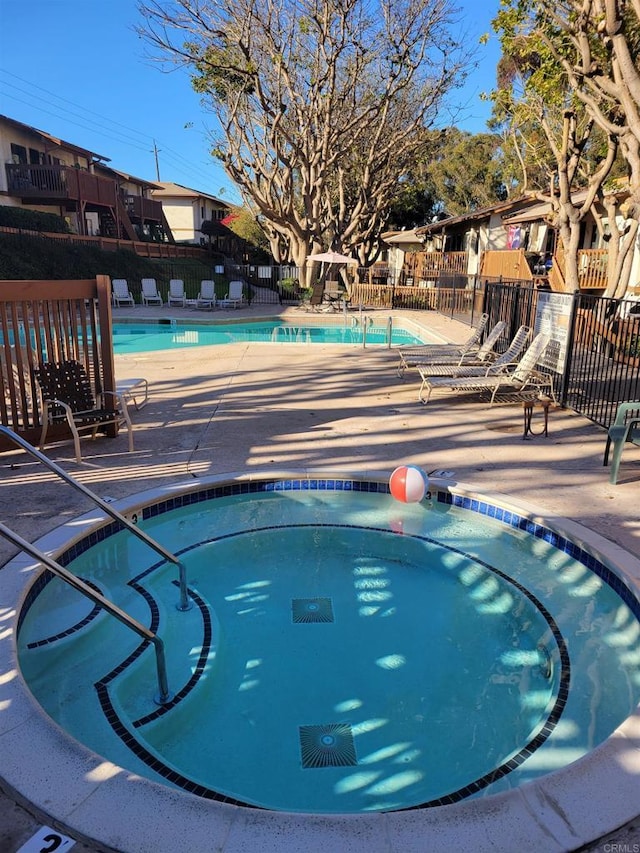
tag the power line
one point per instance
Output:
(107, 128)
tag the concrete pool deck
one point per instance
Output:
(259, 407)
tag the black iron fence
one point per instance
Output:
(601, 344)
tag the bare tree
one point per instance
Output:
(566, 155)
(320, 104)
(605, 38)
(596, 45)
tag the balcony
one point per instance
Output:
(144, 209)
(428, 265)
(46, 184)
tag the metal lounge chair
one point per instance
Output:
(207, 296)
(120, 293)
(235, 295)
(176, 293)
(66, 395)
(150, 294)
(485, 367)
(524, 376)
(482, 355)
(444, 352)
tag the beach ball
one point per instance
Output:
(408, 484)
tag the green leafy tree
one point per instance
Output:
(245, 225)
(320, 105)
(456, 172)
(466, 173)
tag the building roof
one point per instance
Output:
(529, 214)
(126, 177)
(167, 189)
(53, 140)
(402, 238)
(473, 215)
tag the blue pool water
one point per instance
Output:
(149, 337)
(345, 652)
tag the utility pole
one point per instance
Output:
(155, 154)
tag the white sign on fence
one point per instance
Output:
(553, 315)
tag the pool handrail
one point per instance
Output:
(68, 577)
(185, 603)
(164, 695)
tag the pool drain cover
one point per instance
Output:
(311, 610)
(327, 746)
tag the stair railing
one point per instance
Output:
(184, 603)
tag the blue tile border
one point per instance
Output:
(512, 519)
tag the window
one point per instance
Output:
(18, 153)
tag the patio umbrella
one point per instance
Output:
(332, 258)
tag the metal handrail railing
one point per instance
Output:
(184, 604)
(164, 695)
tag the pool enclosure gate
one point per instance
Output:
(164, 694)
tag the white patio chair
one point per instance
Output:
(207, 296)
(150, 294)
(176, 293)
(235, 295)
(120, 294)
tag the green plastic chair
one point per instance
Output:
(622, 430)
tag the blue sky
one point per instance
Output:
(76, 69)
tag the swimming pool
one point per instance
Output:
(150, 337)
(557, 645)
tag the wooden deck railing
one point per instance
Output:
(592, 269)
(144, 208)
(51, 321)
(508, 264)
(60, 182)
(423, 266)
(456, 300)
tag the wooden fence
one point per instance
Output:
(145, 249)
(448, 300)
(44, 321)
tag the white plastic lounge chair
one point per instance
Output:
(524, 375)
(487, 367)
(150, 294)
(121, 295)
(207, 296)
(444, 352)
(234, 297)
(176, 293)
